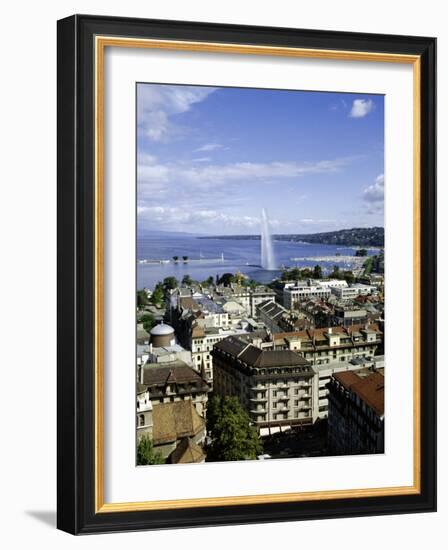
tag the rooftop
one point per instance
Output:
(369, 386)
(176, 372)
(259, 358)
(161, 330)
(187, 452)
(172, 421)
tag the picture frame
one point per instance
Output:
(82, 41)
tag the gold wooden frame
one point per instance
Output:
(101, 42)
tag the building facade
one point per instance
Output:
(326, 345)
(278, 388)
(294, 293)
(356, 412)
(172, 382)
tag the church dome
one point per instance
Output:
(162, 330)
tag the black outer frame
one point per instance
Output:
(75, 403)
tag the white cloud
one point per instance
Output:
(375, 193)
(202, 159)
(209, 147)
(171, 215)
(156, 104)
(213, 175)
(361, 108)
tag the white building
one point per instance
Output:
(144, 414)
(353, 291)
(296, 292)
(331, 283)
(202, 341)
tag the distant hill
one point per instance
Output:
(357, 236)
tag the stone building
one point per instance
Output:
(278, 388)
(325, 345)
(171, 382)
(178, 432)
(356, 412)
(144, 414)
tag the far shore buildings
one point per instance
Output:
(356, 412)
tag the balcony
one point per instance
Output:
(258, 399)
(258, 411)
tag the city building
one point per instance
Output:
(325, 345)
(162, 335)
(178, 432)
(271, 315)
(356, 412)
(326, 371)
(171, 382)
(248, 297)
(278, 388)
(349, 316)
(278, 319)
(201, 343)
(144, 414)
(293, 293)
(354, 290)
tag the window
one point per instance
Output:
(142, 420)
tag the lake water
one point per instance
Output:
(239, 255)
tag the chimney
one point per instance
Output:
(330, 330)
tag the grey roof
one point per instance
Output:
(259, 358)
(161, 330)
(176, 372)
(232, 345)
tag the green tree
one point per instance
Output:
(368, 265)
(170, 283)
(176, 259)
(226, 279)
(349, 277)
(157, 295)
(306, 273)
(146, 453)
(336, 273)
(187, 280)
(232, 436)
(208, 282)
(317, 272)
(185, 258)
(148, 321)
(361, 252)
(142, 299)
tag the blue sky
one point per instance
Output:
(209, 159)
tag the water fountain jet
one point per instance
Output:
(267, 250)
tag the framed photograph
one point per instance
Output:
(246, 274)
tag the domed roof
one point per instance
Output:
(161, 330)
